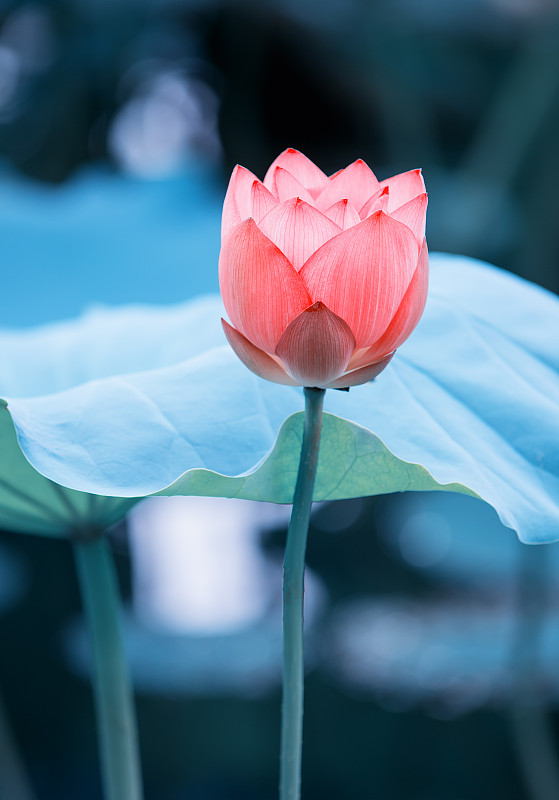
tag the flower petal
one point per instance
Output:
(362, 274)
(261, 291)
(359, 376)
(298, 229)
(316, 346)
(413, 215)
(283, 185)
(356, 183)
(406, 317)
(301, 167)
(343, 214)
(261, 201)
(378, 202)
(237, 205)
(404, 187)
(255, 359)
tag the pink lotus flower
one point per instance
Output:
(322, 277)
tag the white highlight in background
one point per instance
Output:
(198, 564)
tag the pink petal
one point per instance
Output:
(413, 214)
(283, 185)
(256, 360)
(378, 202)
(301, 167)
(356, 183)
(261, 201)
(343, 214)
(363, 375)
(297, 229)
(316, 346)
(260, 289)
(237, 205)
(362, 274)
(406, 317)
(404, 187)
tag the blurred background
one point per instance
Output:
(433, 636)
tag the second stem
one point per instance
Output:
(116, 720)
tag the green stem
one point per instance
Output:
(293, 590)
(116, 722)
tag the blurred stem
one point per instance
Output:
(14, 783)
(530, 723)
(116, 723)
(293, 591)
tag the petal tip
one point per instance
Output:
(379, 214)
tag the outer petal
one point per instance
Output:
(297, 229)
(363, 375)
(316, 346)
(260, 289)
(413, 215)
(404, 187)
(343, 214)
(237, 205)
(301, 167)
(356, 183)
(284, 186)
(363, 273)
(255, 359)
(406, 317)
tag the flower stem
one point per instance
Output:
(293, 590)
(116, 722)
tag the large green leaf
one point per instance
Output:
(470, 403)
(31, 503)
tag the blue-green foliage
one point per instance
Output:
(470, 403)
